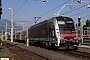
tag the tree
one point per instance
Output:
(88, 23)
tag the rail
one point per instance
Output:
(24, 54)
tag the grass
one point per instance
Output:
(4, 52)
(8, 41)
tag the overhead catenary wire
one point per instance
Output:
(55, 8)
(17, 4)
(73, 10)
(20, 7)
(52, 9)
(78, 13)
(82, 17)
(42, 8)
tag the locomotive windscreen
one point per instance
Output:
(66, 25)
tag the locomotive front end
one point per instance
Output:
(67, 32)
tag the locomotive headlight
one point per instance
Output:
(75, 38)
(53, 39)
(61, 38)
(58, 34)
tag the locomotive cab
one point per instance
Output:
(67, 32)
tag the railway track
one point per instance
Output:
(18, 53)
(76, 54)
(80, 54)
(23, 54)
(73, 53)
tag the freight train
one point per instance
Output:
(55, 33)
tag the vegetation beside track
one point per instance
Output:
(8, 41)
(4, 52)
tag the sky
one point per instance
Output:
(26, 10)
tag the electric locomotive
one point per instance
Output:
(55, 33)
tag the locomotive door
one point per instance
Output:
(52, 36)
(51, 31)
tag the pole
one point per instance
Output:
(60, 10)
(23, 26)
(82, 31)
(2, 32)
(6, 32)
(11, 24)
(2, 35)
